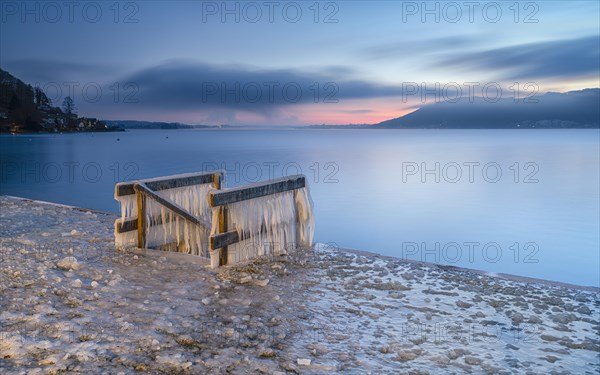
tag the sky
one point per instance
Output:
(294, 63)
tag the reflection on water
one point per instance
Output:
(521, 202)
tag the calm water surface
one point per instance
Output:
(524, 202)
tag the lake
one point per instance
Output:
(524, 202)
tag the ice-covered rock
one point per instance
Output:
(68, 263)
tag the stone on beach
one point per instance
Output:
(304, 362)
(68, 263)
(262, 282)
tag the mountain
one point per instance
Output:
(573, 109)
(24, 108)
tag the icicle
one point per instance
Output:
(128, 205)
(270, 225)
(191, 198)
(124, 240)
(306, 221)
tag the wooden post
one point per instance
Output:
(296, 245)
(223, 229)
(141, 227)
(217, 180)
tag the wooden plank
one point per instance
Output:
(224, 239)
(230, 237)
(142, 188)
(131, 224)
(232, 195)
(127, 226)
(168, 182)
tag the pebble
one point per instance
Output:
(229, 332)
(76, 284)
(406, 356)
(48, 361)
(68, 263)
(470, 360)
(267, 353)
(262, 282)
(185, 340)
(584, 310)
(304, 362)
(517, 318)
(535, 320)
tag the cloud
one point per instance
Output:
(552, 59)
(44, 70)
(184, 85)
(358, 111)
(420, 47)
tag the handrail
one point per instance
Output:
(167, 182)
(261, 189)
(142, 188)
(225, 197)
(147, 191)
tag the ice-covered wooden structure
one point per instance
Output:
(191, 213)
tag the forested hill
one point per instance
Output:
(24, 108)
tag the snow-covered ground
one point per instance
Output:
(71, 303)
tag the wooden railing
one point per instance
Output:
(222, 198)
(143, 192)
(146, 189)
(141, 220)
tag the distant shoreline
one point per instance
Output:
(259, 128)
(62, 132)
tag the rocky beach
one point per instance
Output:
(71, 303)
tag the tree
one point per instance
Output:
(69, 106)
(14, 102)
(40, 98)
